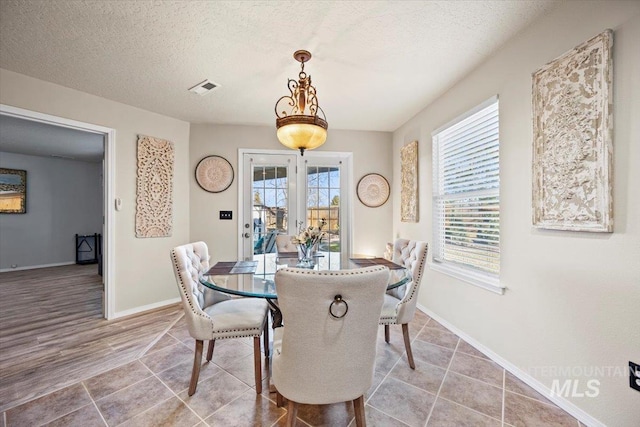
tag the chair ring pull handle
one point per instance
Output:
(337, 301)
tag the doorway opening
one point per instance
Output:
(107, 176)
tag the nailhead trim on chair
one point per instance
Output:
(331, 272)
(249, 332)
(184, 288)
(416, 280)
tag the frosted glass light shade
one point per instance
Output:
(302, 136)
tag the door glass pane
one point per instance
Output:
(323, 202)
(270, 186)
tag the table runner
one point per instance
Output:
(366, 262)
(233, 267)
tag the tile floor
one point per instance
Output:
(453, 385)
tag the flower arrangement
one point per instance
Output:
(308, 237)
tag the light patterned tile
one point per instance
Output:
(475, 367)
(426, 376)
(376, 418)
(449, 414)
(377, 380)
(515, 385)
(441, 338)
(433, 324)
(131, 401)
(171, 412)
(168, 357)
(180, 332)
(412, 409)
(249, 409)
(244, 370)
(87, 416)
(178, 377)
(165, 341)
(465, 347)
(386, 356)
(420, 318)
(213, 393)
(116, 379)
(227, 352)
(473, 394)
(336, 414)
(49, 407)
(521, 411)
(431, 353)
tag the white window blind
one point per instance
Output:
(466, 194)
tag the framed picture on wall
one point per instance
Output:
(13, 191)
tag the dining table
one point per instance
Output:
(253, 285)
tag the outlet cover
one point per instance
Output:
(634, 376)
(226, 214)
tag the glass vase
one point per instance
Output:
(306, 256)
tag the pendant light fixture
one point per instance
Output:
(298, 124)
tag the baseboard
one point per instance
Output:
(33, 267)
(148, 307)
(569, 407)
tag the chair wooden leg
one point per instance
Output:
(386, 333)
(407, 344)
(210, 350)
(292, 412)
(279, 399)
(257, 361)
(195, 372)
(265, 337)
(358, 406)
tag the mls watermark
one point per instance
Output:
(577, 381)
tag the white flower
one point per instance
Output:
(307, 237)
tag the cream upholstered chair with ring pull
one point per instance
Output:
(400, 303)
(325, 353)
(212, 315)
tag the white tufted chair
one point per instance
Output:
(212, 315)
(284, 244)
(400, 303)
(319, 358)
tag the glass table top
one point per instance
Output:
(252, 285)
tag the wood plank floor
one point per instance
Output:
(52, 333)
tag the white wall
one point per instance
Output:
(142, 270)
(64, 198)
(572, 299)
(371, 153)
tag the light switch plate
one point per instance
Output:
(226, 214)
(634, 376)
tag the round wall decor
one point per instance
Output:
(373, 190)
(214, 174)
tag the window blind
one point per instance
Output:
(466, 193)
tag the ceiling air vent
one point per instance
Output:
(204, 87)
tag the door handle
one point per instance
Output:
(246, 235)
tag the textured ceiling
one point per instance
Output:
(375, 63)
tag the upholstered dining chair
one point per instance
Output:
(325, 353)
(400, 303)
(212, 315)
(284, 244)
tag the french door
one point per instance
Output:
(282, 192)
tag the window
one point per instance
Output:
(466, 197)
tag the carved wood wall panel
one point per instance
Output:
(573, 147)
(154, 197)
(409, 182)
